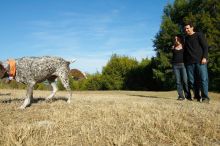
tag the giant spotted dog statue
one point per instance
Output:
(32, 70)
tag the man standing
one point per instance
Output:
(196, 55)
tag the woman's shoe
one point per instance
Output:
(180, 98)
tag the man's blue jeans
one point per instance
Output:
(198, 79)
(181, 80)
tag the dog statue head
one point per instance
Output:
(3, 71)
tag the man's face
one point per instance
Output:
(188, 30)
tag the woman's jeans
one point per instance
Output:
(181, 80)
(198, 79)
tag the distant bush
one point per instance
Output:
(11, 85)
(116, 70)
(42, 86)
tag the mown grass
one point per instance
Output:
(108, 118)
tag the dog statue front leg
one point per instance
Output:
(29, 96)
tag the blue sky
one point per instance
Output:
(89, 31)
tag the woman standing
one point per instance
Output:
(179, 69)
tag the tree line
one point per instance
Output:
(126, 73)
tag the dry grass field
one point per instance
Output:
(102, 118)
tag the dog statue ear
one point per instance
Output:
(2, 71)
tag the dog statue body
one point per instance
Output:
(32, 70)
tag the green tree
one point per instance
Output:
(94, 82)
(114, 73)
(161, 64)
(140, 77)
(205, 14)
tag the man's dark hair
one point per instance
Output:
(189, 23)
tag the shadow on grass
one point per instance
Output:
(146, 96)
(11, 100)
(35, 100)
(5, 94)
(57, 99)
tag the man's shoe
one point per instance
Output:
(205, 100)
(199, 99)
(190, 99)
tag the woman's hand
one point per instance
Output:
(204, 61)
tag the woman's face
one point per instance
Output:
(177, 39)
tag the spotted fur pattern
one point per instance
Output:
(32, 70)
